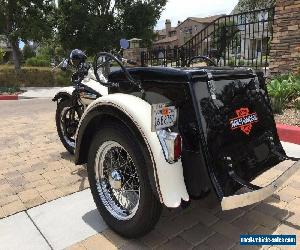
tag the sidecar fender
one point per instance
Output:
(63, 93)
(168, 178)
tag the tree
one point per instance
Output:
(138, 19)
(225, 34)
(27, 21)
(27, 52)
(248, 5)
(95, 25)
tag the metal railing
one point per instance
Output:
(238, 40)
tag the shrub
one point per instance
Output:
(282, 90)
(297, 104)
(231, 62)
(33, 77)
(37, 62)
(241, 62)
(9, 89)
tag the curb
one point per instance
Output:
(8, 97)
(14, 97)
(288, 133)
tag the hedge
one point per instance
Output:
(33, 77)
(37, 62)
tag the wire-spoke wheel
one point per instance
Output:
(117, 180)
(118, 177)
(67, 120)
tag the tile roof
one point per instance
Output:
(208, 19)
(167, 40)
(163, 32)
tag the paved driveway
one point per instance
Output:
(35, 168)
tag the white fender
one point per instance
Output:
(66, 90)
(170, 180)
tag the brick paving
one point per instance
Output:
(35, 168)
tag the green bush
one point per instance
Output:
(9, 89)
(241, 62)
(37, 62)
(33, 77)
(283, 90)
(231, 62)
(297, 104)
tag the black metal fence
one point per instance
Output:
(239, 40)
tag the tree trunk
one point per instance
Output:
(16, 54)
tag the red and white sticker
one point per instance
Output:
(244, 120)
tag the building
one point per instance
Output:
(192, 26)
(255, 35)
(166, 38)
(171, 37)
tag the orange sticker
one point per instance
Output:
(165, 111)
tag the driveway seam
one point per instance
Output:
(41, 233)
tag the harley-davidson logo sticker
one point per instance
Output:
(244, 120)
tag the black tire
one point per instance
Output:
(149, 208)
(62, 104)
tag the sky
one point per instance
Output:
(181, 9)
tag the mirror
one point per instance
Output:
(124, 43)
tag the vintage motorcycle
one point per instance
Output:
(166, 136)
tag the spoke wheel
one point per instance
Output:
(117, 180)
(69, 121)
(118, 176)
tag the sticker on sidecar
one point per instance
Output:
(244, 120)
(163, 116)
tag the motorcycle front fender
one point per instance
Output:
(65, 92)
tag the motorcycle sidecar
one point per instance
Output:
(189, 131)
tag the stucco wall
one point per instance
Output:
(186, 25)
(285, 46)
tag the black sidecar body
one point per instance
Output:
(227, 126)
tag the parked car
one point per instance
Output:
(166, 136)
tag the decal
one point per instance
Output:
(244, 120)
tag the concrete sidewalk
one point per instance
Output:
(39, 92)
(70, 220)
(54, 225)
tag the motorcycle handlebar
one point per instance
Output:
(118, 61)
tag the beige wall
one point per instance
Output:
(188, 29)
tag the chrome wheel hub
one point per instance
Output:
(117, 180)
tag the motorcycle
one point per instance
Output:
(161, 136)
